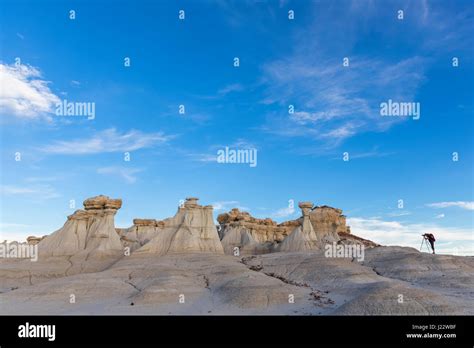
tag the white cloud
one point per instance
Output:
(332, 102)
(329, 106)
(396, 233)
(399, 213)
(242, 144)
(439, 216)
(128, 174)
(460, 204)
(27, 95)
(284, 212)
(341, 133)
(108, 140)
(202, 157)
(228, 205)
(304, 117)
(235, 87)
(335, 102)
(42, 178)
(368, 154)
(35, 192)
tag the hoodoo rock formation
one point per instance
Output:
(251, 235)
(32, 240)
(303, 237)
(149, 267)
(89, 232)
(328, 221)
(142, 231)
(316, 226)
(88, 242)
(192, 229)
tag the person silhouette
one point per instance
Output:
(430, 238)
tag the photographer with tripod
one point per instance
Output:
(429, 237)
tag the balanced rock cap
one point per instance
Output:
(307, 205)
(144, 222)
(102, 202)
(191, 202)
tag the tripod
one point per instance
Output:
(424, 241)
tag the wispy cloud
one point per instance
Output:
(202, 157)
(334, 102)
(238, 13)
(211, 156)
(459, 204)
(191, 114)
(41, 179)
(375, 152)
(28, 95)
(235, 87)
(228, 205)
(330, 106)
(221, 93)
(396, 233)
(127, 174)
(284, 212)
(109, 140)
(399, 213)
(241, 143)
(36, 191)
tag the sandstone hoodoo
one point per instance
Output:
(32, 240)
(191, 230)
(251, 235)
(142, 231)
(262, 230)
(89, 232)
(317, 226)
(87, 242)
(303, 237)
(328, 222)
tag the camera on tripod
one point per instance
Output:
(428, 240)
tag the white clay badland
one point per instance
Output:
(185, 265)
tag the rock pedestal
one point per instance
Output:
(249, 234)
(192, 229)
(303, 237)
(90, 231)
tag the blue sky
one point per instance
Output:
(283, 62)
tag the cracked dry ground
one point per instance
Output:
(391, 280)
